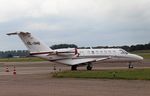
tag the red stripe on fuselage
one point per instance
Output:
(48, 53)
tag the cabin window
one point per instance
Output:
(101, 51)
(97, 52)
(114, 51)
(92, 52)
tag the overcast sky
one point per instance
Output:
(81, 22)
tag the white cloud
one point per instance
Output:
(42, 26)
(14, 9)
(9, 9)
(84, 9)
(103, 21)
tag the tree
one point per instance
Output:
(59, 46)
(127, 48)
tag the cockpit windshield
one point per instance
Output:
(123, 51)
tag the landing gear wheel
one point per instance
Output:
(74, 67)
(89, 68)
(130, 66)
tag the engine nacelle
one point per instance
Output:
(66, 51)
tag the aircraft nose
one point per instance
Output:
(138, 57)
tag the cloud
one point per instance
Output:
(84, 22)
(25, 9)
(42, 27)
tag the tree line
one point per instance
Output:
(59, 46)
(14, 53)
(25, 53)
(130, 48)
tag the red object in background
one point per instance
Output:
(14, 72)
(7, 70)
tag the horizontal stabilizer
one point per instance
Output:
(15, 33)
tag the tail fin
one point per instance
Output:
(33, 44)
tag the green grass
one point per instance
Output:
(27, 59)
(128, 74)
(144, 53)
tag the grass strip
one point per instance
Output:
(127, 74)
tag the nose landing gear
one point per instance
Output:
(130, 66)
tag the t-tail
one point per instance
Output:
(33, 44)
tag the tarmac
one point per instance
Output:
(34, 79)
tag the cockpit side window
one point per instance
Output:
(123, 51)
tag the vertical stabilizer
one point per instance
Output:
(33, 44)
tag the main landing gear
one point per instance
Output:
(89, 67)
(74, 67)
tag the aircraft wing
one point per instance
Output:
(80, 60)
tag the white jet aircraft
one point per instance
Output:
(72, 56)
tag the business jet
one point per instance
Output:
(72, 56)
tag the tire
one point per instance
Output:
(74, 67)
(89, 68)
